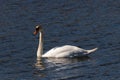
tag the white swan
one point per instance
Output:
(63, 51)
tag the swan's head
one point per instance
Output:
(38, 29)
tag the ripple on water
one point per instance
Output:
(87, 24)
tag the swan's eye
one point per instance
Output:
(37, 29)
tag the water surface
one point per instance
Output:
(87, 24)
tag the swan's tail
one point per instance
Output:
(92, 50)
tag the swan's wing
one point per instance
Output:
(52, 52)
(73, 53)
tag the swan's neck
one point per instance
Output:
(40, 46)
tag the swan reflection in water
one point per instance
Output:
(43, 63)
(39, 64)
(63, 61)
(39, 71)
(44, 66)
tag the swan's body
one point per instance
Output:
(63, 51)
(67, 51)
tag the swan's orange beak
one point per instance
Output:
(35, 32)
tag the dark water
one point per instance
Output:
(83, 23)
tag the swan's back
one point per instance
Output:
(64, 51)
